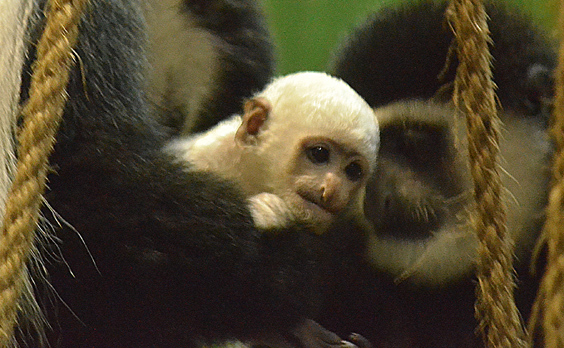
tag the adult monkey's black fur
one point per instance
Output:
(423, 296)
(148, 254)
(412, 42)
(206, 56)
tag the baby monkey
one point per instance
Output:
(302, 151)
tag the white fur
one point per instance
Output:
(228, 158)
(14, 16)
(451, 251)
(447, 256)
(178, 52)
(313, 102)
(303, 104)
(306, 104)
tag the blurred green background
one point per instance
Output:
(307, 31)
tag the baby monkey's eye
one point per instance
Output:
(318, 154)
(354, 171)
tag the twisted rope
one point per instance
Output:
(14, 19)
(474, 96)
(41, 117)
(549, 303)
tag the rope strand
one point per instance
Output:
(549, 304)
(41, 117)
(474, 96)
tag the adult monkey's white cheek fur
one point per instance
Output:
(208, 57)
(421, 203)
(180, 51)
(14, 16)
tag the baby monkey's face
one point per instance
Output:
(324, 178)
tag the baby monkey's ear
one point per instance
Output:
(256, 112)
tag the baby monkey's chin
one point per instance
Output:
(314, 215)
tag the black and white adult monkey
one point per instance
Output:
(146, 253)
(302, 151)
(205, 57)
(412, 274)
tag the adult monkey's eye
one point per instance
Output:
(354, 171)
(318, 154)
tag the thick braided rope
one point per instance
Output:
(14, 19)
(42, 115)
(550, 299)
(474, 96)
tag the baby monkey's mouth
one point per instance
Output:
(318, 202)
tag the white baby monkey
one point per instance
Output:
(302, 150)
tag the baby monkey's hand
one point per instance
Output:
(270, 212)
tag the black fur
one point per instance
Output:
(398, 55)
(150, 255)
(246, 53)
(401, 52)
